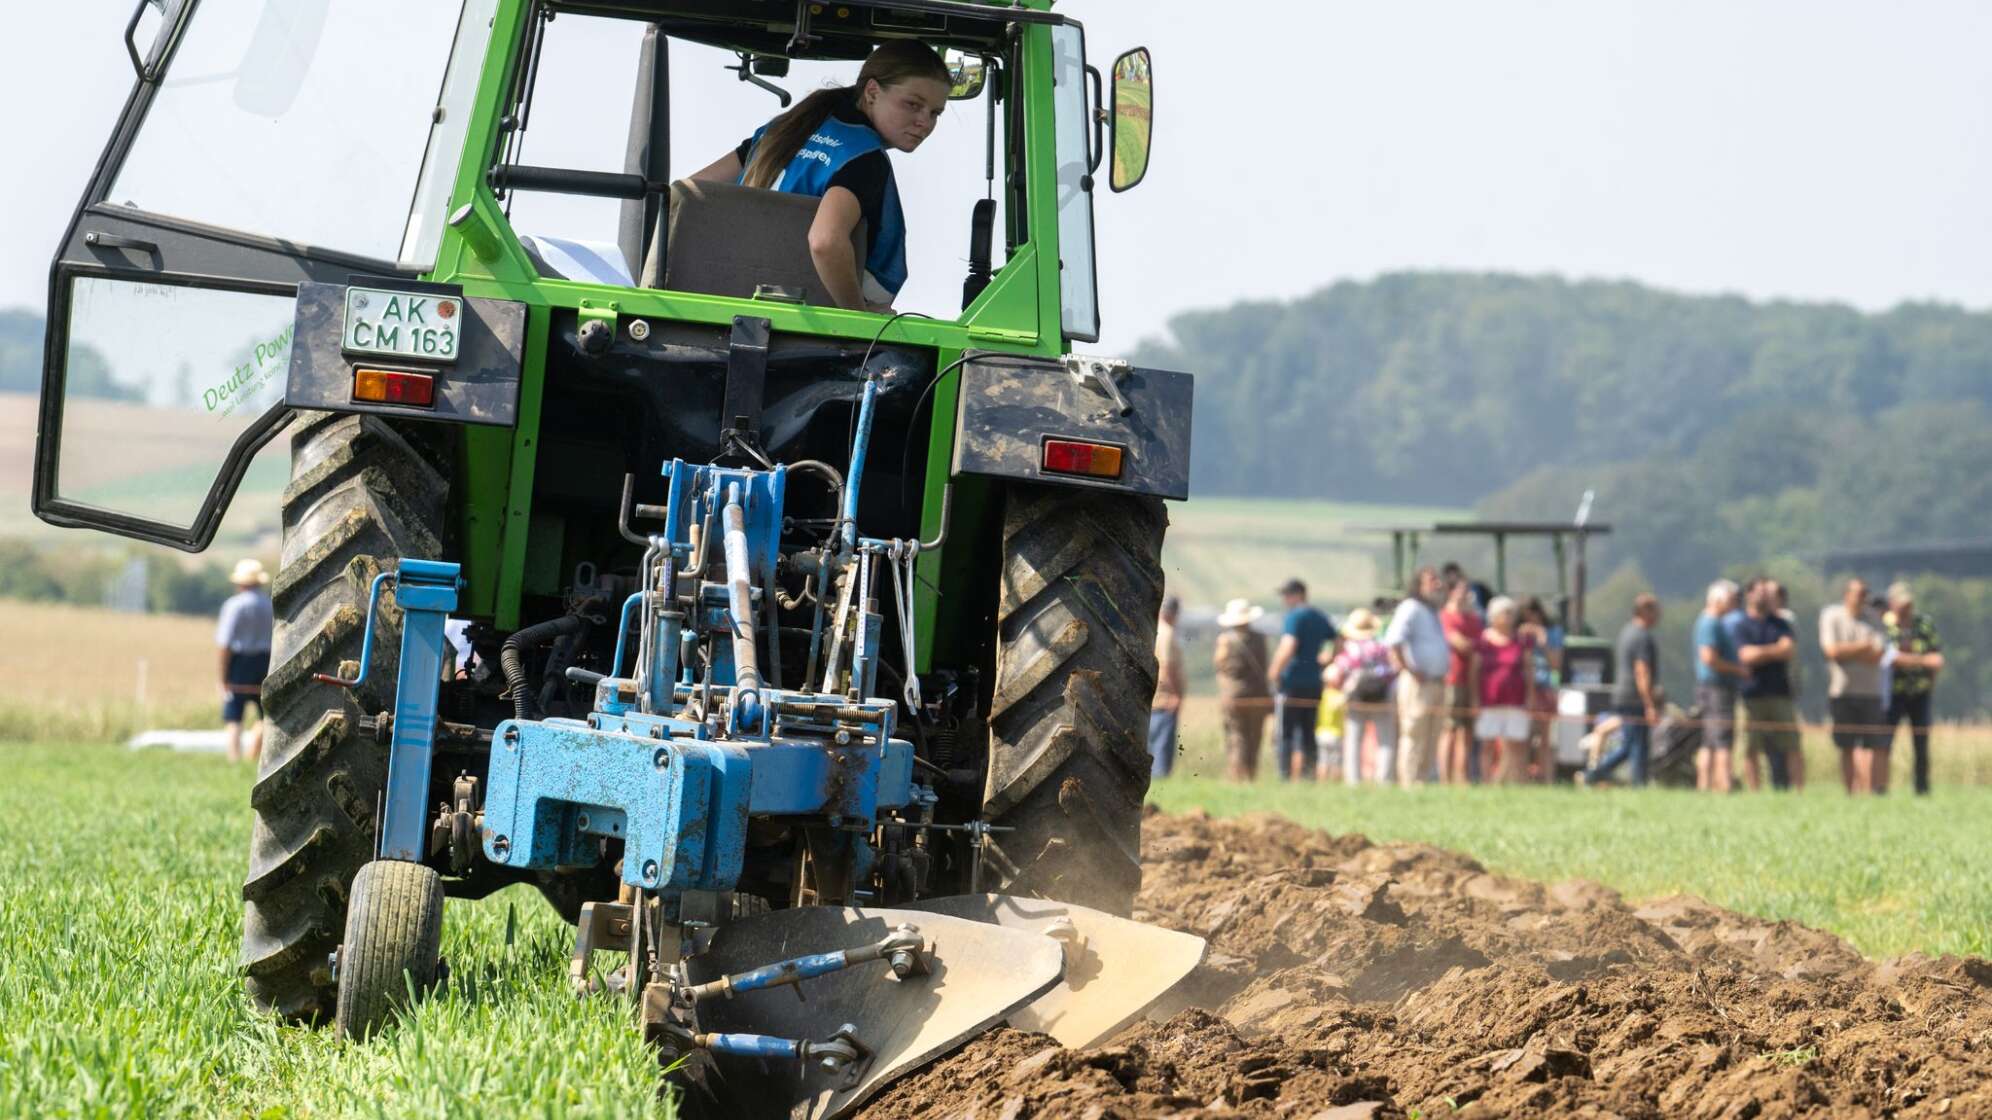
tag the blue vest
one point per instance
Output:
(834, 144)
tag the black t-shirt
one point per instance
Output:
(1767, 678)
(865, 176)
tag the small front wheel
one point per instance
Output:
(394, 933)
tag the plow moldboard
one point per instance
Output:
(1118, 970)
(979, 975)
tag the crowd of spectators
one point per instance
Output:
(1455, 684)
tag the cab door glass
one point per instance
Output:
(162, 380)
(1078, 295)
(303, 120)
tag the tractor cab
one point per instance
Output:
(486, 145)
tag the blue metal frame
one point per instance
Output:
(427, 592)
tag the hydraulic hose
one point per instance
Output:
(511, 657)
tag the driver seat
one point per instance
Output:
(729, 240)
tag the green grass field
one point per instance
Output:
(1224, 548)
(120, 915)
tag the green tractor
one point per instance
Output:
(304, 224)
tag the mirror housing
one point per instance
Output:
(1133, 118)
(969, 71)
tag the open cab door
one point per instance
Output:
(266, 143)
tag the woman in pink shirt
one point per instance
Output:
(1504, 670)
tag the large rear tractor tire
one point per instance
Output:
(394, 936)
(1075, 673)
(361, 496)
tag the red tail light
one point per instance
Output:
(386, 386)
(1094, 460)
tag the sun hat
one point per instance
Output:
(1361, 623)
(248, 573)
(1240, 612)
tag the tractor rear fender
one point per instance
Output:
(476, 383)
(1082, 421)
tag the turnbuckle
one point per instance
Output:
(839, 1055)
(901, 949)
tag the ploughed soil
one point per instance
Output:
(1347, 979)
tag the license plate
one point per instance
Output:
(402, 324)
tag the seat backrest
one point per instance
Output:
(725, 240)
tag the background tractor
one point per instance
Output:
(619, 566)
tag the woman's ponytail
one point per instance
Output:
(892, 63)
(786, 134)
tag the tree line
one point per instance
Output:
(1721, 436)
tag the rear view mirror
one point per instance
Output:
(279, 55)
(1134, 108)
(968, 72)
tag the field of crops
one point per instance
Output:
(89, 674)
(118, 995)
(1224, 548)
(153, 474)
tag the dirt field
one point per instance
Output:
(1350, 980)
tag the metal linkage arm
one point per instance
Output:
(834, 1054)
(901, 949)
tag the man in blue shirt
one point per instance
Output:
(1419, 652)
(1717, 676)
(1295, 676)
(242, 639)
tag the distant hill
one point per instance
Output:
(1717, 432)
(1447, 387)
(89, 374)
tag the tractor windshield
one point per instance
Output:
(586, 74)
(309, 121)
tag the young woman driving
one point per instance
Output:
(832, 145)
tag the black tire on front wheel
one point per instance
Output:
(361, 496)
(394, 934)
(1075, 674)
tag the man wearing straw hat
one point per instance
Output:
(243, 638)
(1242, 696)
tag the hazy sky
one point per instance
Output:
(1805, 150)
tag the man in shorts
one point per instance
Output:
(1852, 640)
(1717, 677)
(243, 639)
(1766, 646)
